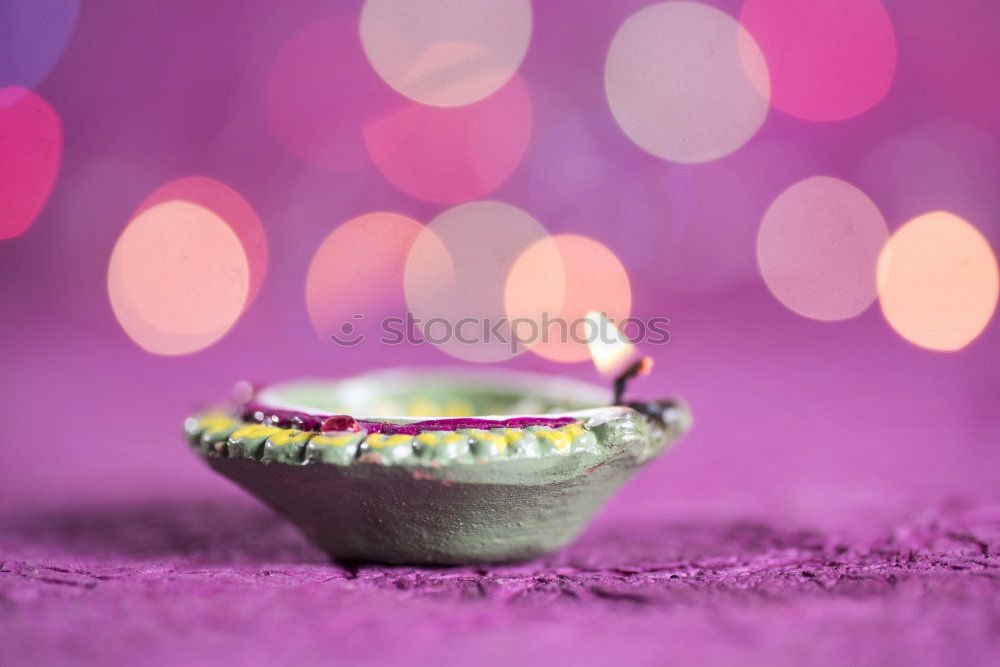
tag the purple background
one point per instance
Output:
(842, 428)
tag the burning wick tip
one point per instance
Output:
(641, 367)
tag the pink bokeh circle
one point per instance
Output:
(177, 278)
(320, 89)
(355, 277)
(30, 153)
(827, 60)
(229, 206)
(452, 154)
(817, 248)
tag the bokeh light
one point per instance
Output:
(938, 281)
(319, 91)
(827, 60)
(452, 155)
(233, 209)
(685, 82)
(33, 36)
(458, 269)
(30, 153)
(446, 53)
(556, 283)
(818, 247)
(358, 271)
(178, 278)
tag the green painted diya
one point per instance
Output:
(438, 486)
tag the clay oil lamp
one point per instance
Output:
(484, 467)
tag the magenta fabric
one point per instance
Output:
(203, 582)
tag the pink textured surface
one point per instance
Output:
(200, 582)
